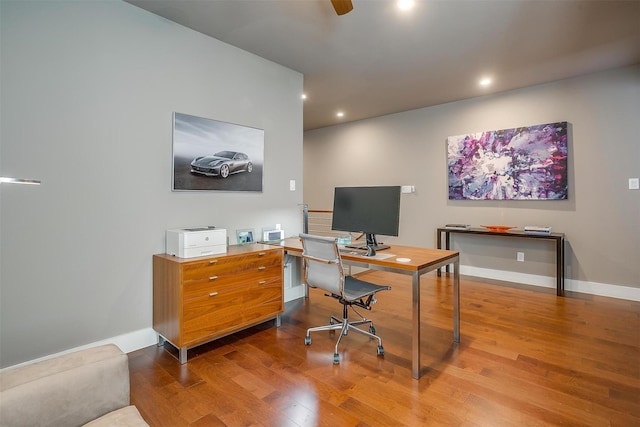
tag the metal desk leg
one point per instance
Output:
(456, 300)
(439, 246)
(415, 358)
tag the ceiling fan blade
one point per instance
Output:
(342, 6)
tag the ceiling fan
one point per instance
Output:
(342, 6)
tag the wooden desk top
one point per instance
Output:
(420, 258)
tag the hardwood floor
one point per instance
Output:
(526, 358)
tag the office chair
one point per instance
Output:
(323, 269)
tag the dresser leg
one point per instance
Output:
(161, 341)
(278, 321)
(183, 355)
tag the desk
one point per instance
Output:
(558, 238)
(422, 261)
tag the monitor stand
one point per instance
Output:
(372, 242)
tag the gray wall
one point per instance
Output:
(601, 218)
(88, 92)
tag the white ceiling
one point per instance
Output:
(376, 60)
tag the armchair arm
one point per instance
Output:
(67, 390)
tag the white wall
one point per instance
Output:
(601, 218)
(88, 92)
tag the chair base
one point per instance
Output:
(344, 325)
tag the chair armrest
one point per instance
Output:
(321, 260)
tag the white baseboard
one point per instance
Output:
(131, 341)
(593, 288)
(127, 342)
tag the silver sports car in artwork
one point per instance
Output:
(223, 163)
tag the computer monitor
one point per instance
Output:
(368, 210)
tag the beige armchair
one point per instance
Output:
(88, 387)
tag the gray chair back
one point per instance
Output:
(322, 263)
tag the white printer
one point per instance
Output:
(197, 241)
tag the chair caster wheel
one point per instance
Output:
(307, 340)
(336, 359)
(372, 329)
(380, 350)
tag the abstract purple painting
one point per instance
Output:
(525, 163)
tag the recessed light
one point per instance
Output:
(340, 114)
(485, 81)
(406, 4)
(304, 96)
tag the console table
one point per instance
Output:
(558, 238)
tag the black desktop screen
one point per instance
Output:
(369, 210)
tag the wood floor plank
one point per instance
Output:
(526, 358)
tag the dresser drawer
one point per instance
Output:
(229, 266)
(203, 287)
(206, 317)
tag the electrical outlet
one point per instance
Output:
(634, 183)
(520, 256)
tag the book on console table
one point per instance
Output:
(457, 226)
(536, 229)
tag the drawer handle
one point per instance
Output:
(213, 277)
(262, 282)
(213, 294)
(262, 267)
(262, 254)
(213, 261)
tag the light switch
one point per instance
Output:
(634, 183)
(292, 185)
(407, 189)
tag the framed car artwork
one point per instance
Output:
(210, 155)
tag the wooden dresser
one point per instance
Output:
(196, 300)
